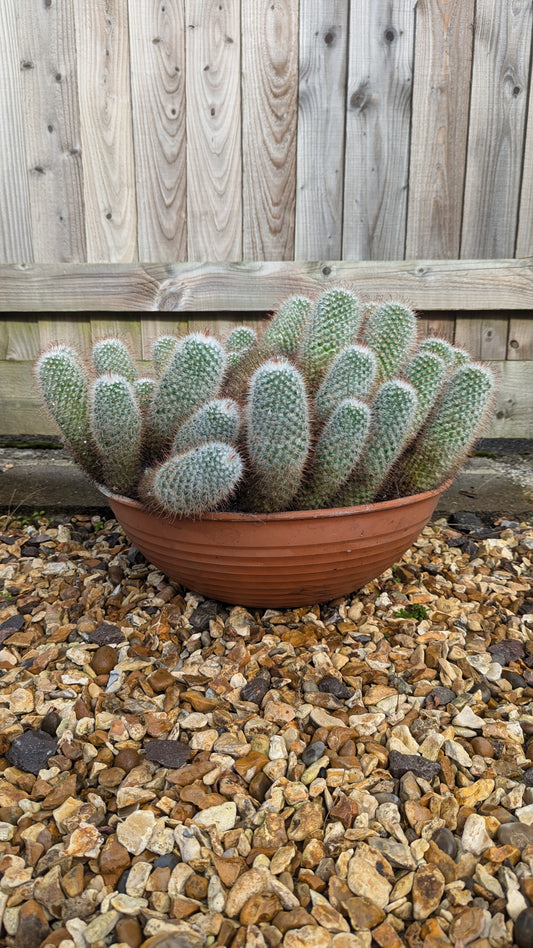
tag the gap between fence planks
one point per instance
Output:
(189, 287)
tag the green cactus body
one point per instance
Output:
(278, 435)
(240, 339)
(113, 356)
(440, 347)
(192, 377)
(350, 375)
(144, 389)
(162, 349)
(332, 324)
(197, 481)
(390, 331)
(450, 429)
(392, 415)
(116, 423)
(64, 386)
(425, 372)
(283, 333)
(218, 420)
(337, 451)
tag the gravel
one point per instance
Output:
(179, 772)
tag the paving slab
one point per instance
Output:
(498, 481)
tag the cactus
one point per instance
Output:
(332, 324)
(450, 429)
(195, 482)
(240, 339)
(390, 331)
(116, 424)
(451, 355)
(350, 375)
(162, 349)
(336, 453)
(393, 412)
(193, 375)
(217, 420)
(144, 388)
(278, 435)
(112, 355)
(283, 332)
(64, 385)
(425, 372)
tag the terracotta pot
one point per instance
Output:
(284, 559)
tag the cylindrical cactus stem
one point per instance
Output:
(116, 422)
(336, 453)
(193, 483)
(451, 428)
(162, 349)
(64, 385)
(112, 355)
(332, 324)
(350, 375)
(283, 332)
(240, 339)
(278, 435)
(192, 377)
(451, 355)
(218, 420)
(391, 423)
(390, 331)
(425, 371)
(144, 388)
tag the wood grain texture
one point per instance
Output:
(52, 132)
(129, 330)
(157, 43)
(483, 338)
(513, 412)
(524, 237)
(378, 114)
(320, 141)
(502, 47)
(214, 167)
(75, 331)
(520, 340)
(22, 339)
(442, 326)
(188, 287)
(441, 91)
(105, 116)
(269, 91)
(15, 220)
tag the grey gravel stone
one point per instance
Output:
(31, 750)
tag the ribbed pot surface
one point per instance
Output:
(284, 559)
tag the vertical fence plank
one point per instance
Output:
(441, 325)
(22, 338)
(520, 344)
(214, 167)
(158, 100)
(377, 129)
(524, 239)
(502, 47)
(105, 115)
(270, 91)
(129, 330)
(441, 90)
(482, 338)
(74, 331)
(15, 226)
(320, 141)
(53, 143)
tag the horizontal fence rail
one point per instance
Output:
(164, 131)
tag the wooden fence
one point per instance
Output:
(210, 156)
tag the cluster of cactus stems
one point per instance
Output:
(335, 404)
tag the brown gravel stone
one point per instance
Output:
(295, 918)
(196, 887)
(127, 758)
(129, 931)
(33, 926)
(104, 659)
(114, 858)
(260, 908)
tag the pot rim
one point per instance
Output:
(239, 517)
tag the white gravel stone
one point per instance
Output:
(475, 838)
(223, 817)
(135, 832)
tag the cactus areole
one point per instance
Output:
(317, 448)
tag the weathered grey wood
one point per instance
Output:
(378, 113)
(15, 221)
(151, 329)
(520, 341)
(157, 41)
(52, 132)
(443, 327)
(214, 169)
(23, 341)
(269, 91)
(75, 331)
(105, 118)
(21, 413)
(483, 338)
(441, 91)
(320, 141)
(129, 330)
(188, 287)
(524, 238)
(502, 49)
